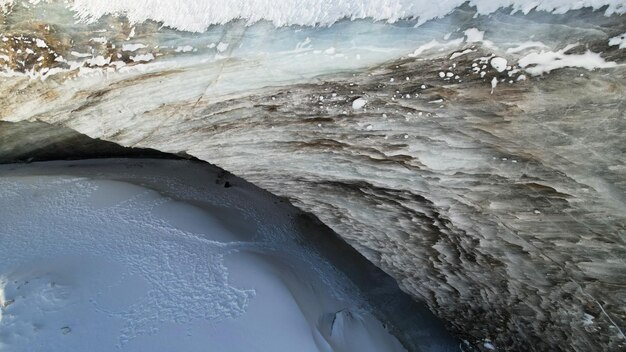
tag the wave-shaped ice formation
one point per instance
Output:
(197, 15)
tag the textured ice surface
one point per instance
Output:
(503, 211)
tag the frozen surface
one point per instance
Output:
(89, 263)
(197, 15)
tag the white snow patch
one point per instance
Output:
(184, 49)
(460, 53)
(499, 63)
(434, 44)
(98, 61)
(619, 40)
(359, 103)
(524, 46)
(221, 47)
(101, 40)
(494, 83)
(40, 43)
(474, 35)
(132, 47)
(131, 34)
(488, 345)
(142, 58)
(81, 55)
(588, 319)
(546, 61)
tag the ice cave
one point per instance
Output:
(312, 175)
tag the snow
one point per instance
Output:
(40, 43)
(221, 47)
(460, 53)
(494, 83)
(474, 35)
(489, 346)
(197, 15)
(287, 55)
(100, 40)
(498, 63)
(545, 61)
(588, 319)
(155, 256)
(434, 44)
(98, 61)
(80, 55)
(619, 40)
(359, 103)
(524, 46)
(142, 57)
(184, 49)
(132, 47)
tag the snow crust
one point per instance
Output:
(197, 15)
(91, 263)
